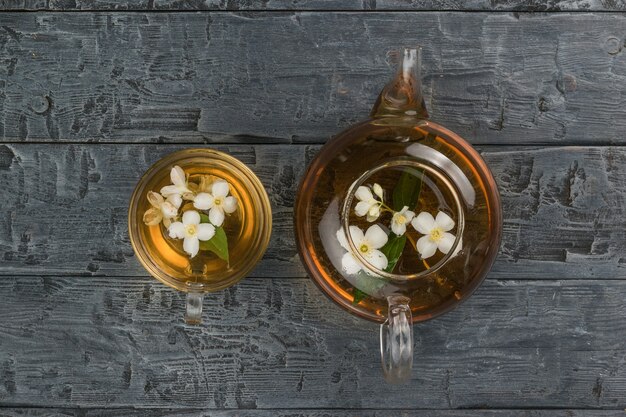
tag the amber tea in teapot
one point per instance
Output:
(398, 219)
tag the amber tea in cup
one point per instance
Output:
(199, 221)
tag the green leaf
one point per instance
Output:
(358, 296)
(406, 193)
(218, 244)
(408, 189)
(393, 250)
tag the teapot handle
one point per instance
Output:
(193, 311)
(396, 341)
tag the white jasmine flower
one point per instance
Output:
(367, 245)
(378, 190)
(179, 186)
(217, 202)
(400, 220)
(436, 233)
(161, 209)
(367, 204)
(192, 231)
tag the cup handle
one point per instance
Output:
(396, 341)
(193, 313)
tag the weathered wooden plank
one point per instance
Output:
(564, 208)
(118, 342)
(302, 77)
(132, 412)
(471, 5)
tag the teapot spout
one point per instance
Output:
(402, 96)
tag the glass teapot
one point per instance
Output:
(398, 219)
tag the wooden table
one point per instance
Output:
(94, 91)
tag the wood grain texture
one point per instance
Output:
(301, 77)
(64, 208)
(131, 412)
(117, 342)
(381, 5)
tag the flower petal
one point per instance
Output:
(444, 221)
(378, 190)
(409, 215)
(216, 216)
(349, 264)
(168, 210)
(191, 217)
(371, 218)
(188, 195)
(204, 184)
(175, 200)
(176, 230)
(424, 223)
(374, 211)
(155, 199)
(169, 190)
(363, 194)
(356, 235)
(220, 189)
(205, 231)
(361, 208)
(446, 242)
(341, 237)
(203, 201)
(397, 228)
(177, 175)
(426, 247)
(191, 245)
(376, 236)
(230, 204)
(152, 216)
(377, 259)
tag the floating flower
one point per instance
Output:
(217, 202)
(367, 204)
(378, 190)
(367, 245)
(192, 231)
(400, 220)
(179, 186)
(161, 209)
(436, 233)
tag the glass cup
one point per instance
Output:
(199, 221)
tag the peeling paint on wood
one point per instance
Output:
(131, 412)
(301, 77)
(381, 5)
(83, 329)
(119, 342)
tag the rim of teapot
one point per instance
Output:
(350, 196)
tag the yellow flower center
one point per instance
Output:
(436, 234)
(401, 219)
(217, 201)
(190, 229)
(364, 248)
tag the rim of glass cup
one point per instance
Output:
(345, 217)
(263, 237)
